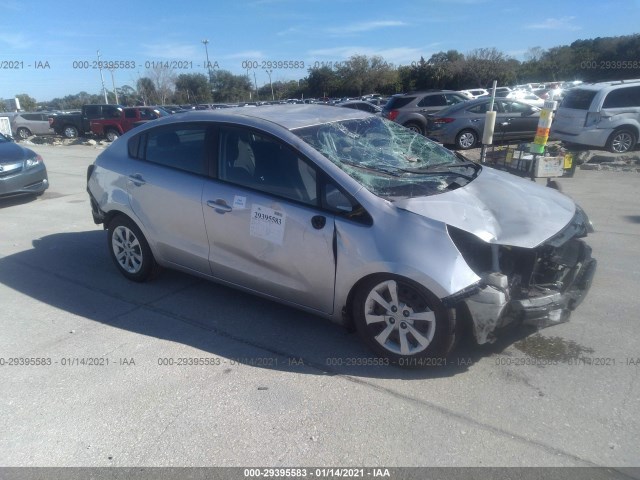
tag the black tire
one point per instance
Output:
(414, 127)
(112, 135)
(427, 326)
(23, 133)
(70, 131)
(129, 250)
(466, 139)
(622, 141)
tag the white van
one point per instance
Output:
(603, 114)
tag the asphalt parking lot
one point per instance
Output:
(284, 388)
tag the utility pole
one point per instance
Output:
(104, 89)
(269, 72)
(206, 51)
(115, 90)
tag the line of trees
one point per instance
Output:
(599, 59)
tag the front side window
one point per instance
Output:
(182, 147)
(256, 161)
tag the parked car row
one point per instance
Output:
(600, 115)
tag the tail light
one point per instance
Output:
(393, 114)
(443, 120)
(592, 119)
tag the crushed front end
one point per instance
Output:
(538, 286)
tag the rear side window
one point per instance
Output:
(437, 100)
(481, 108)
(183, 147)
(453, 98)
(398, 102)
(578, 99)
(622, 97)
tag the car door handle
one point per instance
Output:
(219, 205)
(136, 179)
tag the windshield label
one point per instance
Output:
(267, 223)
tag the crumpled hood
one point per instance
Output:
(10, 152)
(499, 208)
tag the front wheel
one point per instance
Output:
(112, 135)
(621, 141)
(466, 139)
(23, 133)
(403, 321)
(129, 250)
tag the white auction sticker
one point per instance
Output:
(267, 223)
(239, 203)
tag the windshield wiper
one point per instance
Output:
(370, 169)
(444, 169)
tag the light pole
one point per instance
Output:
(269, 72)
(115, 90)
(206, 51)
(104, 89)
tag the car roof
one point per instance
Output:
(287, 116)
(611, 84)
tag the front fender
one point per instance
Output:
(421, 251)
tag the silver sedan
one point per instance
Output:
(346, 215)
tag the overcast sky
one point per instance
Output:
(45, 44)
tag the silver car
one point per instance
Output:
(22, 171)
(23, 125)
(347, 215)
(462, 125)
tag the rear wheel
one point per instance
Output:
(403, 321)
(466, 139)
(23, 133)
(621, 141)
(130, 251)
(70, 131)
(414, 127)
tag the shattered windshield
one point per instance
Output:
(388, 159)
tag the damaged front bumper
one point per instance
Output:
(492, 307)
(539, 287)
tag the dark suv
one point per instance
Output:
(411, 109)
